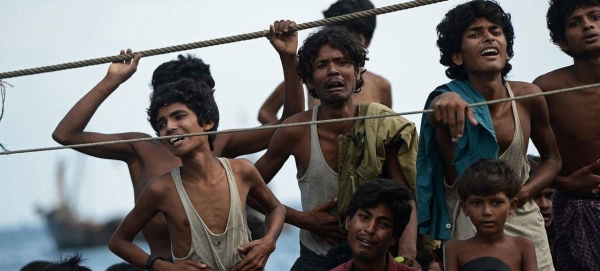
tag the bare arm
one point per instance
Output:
(268, 111)
(407, 245)
(71, 129)
(528, 257)
(258, 251)
(451, 256)
(285, 43)
(543, 138)
(386, 92)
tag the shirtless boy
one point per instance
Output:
(575, 27)
(330, 63)
(476, 42)
(148, 159)
(204, 200)
(376, 88)
(487, 192)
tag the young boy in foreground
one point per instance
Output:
(487, 192)
(204, 200)
(377, 215)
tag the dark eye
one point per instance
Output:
(473, 35)
(595, 17)
(320, 66)
(497, 33)
(179, 116)
(160, 126)
(475, 203)
(385, 224)
(574, 23)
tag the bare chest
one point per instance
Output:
(504, 124)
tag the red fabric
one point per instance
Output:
(393, 265)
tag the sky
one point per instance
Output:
(37, 33)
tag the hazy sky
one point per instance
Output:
(38, 33)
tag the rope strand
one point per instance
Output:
(286, 125)
(218, 41)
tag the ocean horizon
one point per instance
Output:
(22, 245)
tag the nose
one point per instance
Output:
(545, 203)
(170, 127)
(487, 210)
(488, 37)
(333, 70)
(370, 227)
(587, 23)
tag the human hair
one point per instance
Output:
(451, 29)
(488, 177)
(337, 37)
(35, 266)
(122, 267)
(558, 13)
(391, 193)
(365, 26)
(188, 66)
(197, 96)
(72, 263)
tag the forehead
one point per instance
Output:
(327, 52)
(170, 108)
(380, 210)
(481, 23)
(501, 195)
(582, 11)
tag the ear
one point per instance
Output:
(457, 58)
(208, 125)
(367, 42)
(513, 206)
(394, 239)
(347, 224)
(463, 206)
(309, 83)
(564, 46)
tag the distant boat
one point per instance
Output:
(70, 231)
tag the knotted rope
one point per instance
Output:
(219, 41)
(522, 97)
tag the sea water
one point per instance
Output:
(21, 246)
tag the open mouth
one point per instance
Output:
(489, 52)
(366, 241)
(175, 140)
(335, 86)
(546, 216)
(589, 37)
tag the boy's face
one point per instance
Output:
(544, 201)
(483, 48)
(334, 76)
(178, 119)
(582, 31)
(370, 232)
(489, 213)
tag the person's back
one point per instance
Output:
(376, 88)
(487, 191)
(574, 28)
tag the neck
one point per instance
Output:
(199, 164)
(380, 264)
(345, 110)
(490, 238)
(587, 70)
(490, 86)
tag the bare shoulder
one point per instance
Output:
(296, 131)
(242, 167)
(555, 79)
(378, 81)
(159, 185)
(523, 242)
(523, 88)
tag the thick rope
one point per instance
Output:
(213, 42)
(522, 97)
